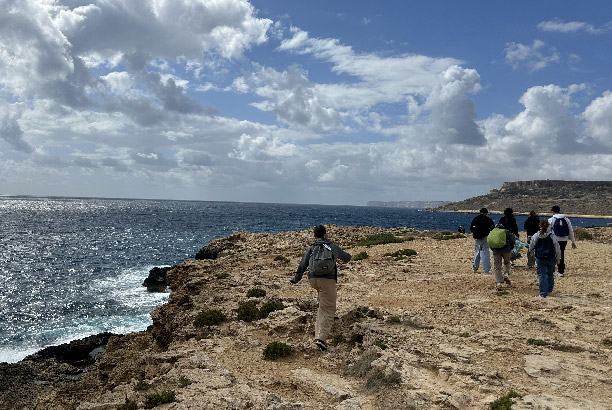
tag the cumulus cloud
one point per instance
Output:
(598, 117)
(535, 56)
(10, 130)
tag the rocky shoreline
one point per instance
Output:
(413, 332)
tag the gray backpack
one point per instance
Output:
(322, 260)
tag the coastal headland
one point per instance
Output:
(575, 198)
(416, 329)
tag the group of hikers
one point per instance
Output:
(546, 239)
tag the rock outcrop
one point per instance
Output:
(157, 281)
(419, 331)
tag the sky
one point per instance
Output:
(320, 101)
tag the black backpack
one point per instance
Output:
(322, 260)
(545, 248)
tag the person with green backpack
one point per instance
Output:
(501, 241)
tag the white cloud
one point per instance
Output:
(535, 56)
(573, 26)
(598, 116)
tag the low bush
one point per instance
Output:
(464, 334)
(281, 259)
(247, 311)
(394, 319)
(276, 350)
(209, 318)
(337, 339)
(256, 293)
(184, 382)
(504, 402)
(128, 405)
(156, 399)
(379, 239)
(537, 342)
(142, 386)
(270, 307)
(581, 234)
(223, 275)
(361, 256)
(379, 343)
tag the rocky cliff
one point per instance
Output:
(573, 197)
(414, 329)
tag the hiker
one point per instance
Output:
(547, 252)
(531, 226)
(501, 241)
(562, 228)
(509, 222)
(320, 260)
(480, 227)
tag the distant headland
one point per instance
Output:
(408, 204)
(579, 198)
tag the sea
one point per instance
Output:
(74, 267)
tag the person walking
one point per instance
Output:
(320, 260)
(509, 222)
(563, 230)
(531, 226)
(501, 241)
(547, 252)
(480, 227)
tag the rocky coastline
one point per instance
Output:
(415, 330)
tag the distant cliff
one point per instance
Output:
(408, 204)
(573, 197)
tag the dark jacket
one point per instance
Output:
(532, 225)
(305, 262)
(510, 224)
(481, 226)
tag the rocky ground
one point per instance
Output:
(418, 332)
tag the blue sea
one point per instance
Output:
(73, 267)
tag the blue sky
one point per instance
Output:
(333, 102)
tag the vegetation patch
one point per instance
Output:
(379, 343)
(184, 382)
(567, 308)
(545, 322)
(394, 319)
(379, 239)
(504, 402)
(375, 377)
(502, 293)
(537, 342)
(337, 339)
(416, 325)
(607, 342)
(464, 334)
(247, 311)
(142, 386)
(276, 350)
(256, 293)
(401, 254)
(222, 275)
(361, 256)
(567, 348)
(281, 259)
(447, 235)
(209, 318)
(581, 234)
(270, 307)
(594, 295)
(156, 399)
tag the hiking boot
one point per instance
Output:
(321, 344)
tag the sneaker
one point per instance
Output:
(486, 273)
(500, 285)
(475, 270)
(321, 344)
(559, 275)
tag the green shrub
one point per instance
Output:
(401, 254)
(502, 293)
(184, 382)
(537, 342)
(581, 234)
(209, 318)
(379, 343)
(128, 405)
(379, 239)
(337, 339)
(394, 319)
(464, 334)
(281, 259)
(247, 311)
(256, 293)
(155, 399)
(504, 402)
(275, 350)
(270, 307)
(361, 256)
(222, 275)
(377, 378)
(142, 385)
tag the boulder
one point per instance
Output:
(157, 281)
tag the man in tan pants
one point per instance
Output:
(320, 260)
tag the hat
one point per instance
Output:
(555, 209)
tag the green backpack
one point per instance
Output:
(497, 238)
